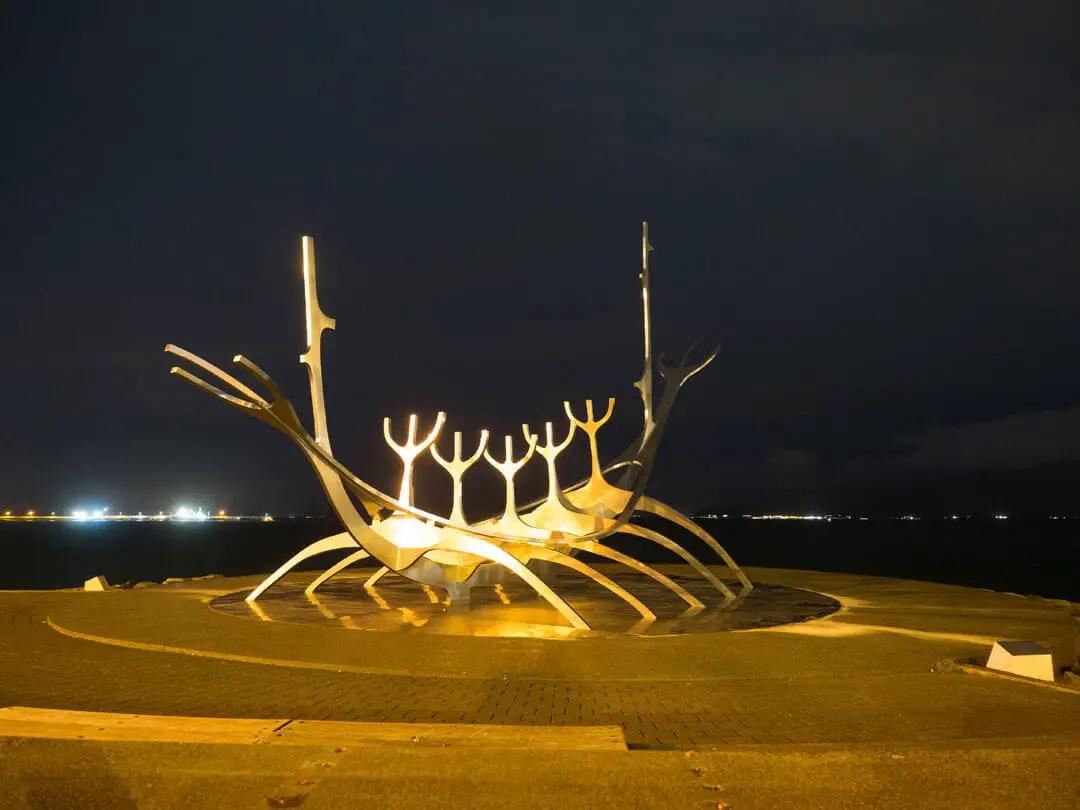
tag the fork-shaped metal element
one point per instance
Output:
(590, 426)
(678, 375)
(556, 513)
(409, 450)
(597, 496)
(550, 451)
(456, 467)
(510, 522)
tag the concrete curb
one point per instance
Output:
(1005, 676)
(58, 724)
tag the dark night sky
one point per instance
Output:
(872, 206)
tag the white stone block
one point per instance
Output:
(96, 584)
(1024, 658)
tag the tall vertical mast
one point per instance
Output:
(644, 385)
(315, 321)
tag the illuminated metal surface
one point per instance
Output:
(410, 449)
(509, 522)
(456, 467)
(525, 541)
(337, 568)
(511, 609)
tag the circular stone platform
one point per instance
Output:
(514, 610)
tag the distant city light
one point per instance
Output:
(102, 514)
(187, 513)
(199, 513)
(828, 518)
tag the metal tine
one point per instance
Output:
(457, 459)
(683, 371)
(275, 391)
(591, 424)
(201, 384)
(607, 415)
(510, 467)
(688, 352)
(702, 364)
(214, 371)
(410, 446)
(550, 448)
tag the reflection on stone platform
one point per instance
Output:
(514, 610)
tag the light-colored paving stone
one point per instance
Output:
(858, 677)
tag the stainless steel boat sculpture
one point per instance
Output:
(526, 541)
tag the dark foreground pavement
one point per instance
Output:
(841, 712)
(99, 776)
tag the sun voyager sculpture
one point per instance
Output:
(529, 541)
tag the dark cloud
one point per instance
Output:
(1012, 442)
(872, 206)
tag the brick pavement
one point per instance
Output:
(39, 667)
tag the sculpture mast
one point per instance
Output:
(644, 385)
(315, 321)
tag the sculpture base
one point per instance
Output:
(484, 578)
(512, 609)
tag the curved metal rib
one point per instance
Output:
(671, 545)
(336, 569)
(601, 550)
(482, 548)
(374, 578)
(577, 565)
(679, 519)
(331, 543)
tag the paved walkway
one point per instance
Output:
(98, 776)
(860, 676)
